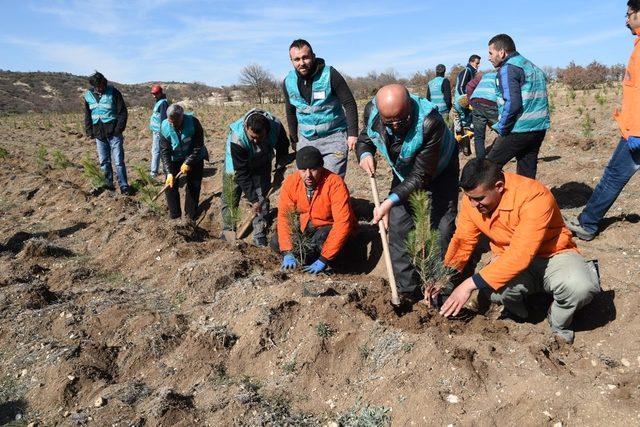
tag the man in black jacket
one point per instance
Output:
(105, 118)
(411, 135)
(182, 150)
(321, 110)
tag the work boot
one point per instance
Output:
(578, 230)
(96, 191)
(127, 191)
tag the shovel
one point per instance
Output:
(395, 301)
(175, 182)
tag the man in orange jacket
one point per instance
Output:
(320, 198)
(532, 249)
(625, 161)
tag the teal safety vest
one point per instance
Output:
(237, 135)
(437, 97)
(182, 145)
(413, 141)
(324, 116)
(102, 110)
(535, 104)
(486, 88)
(155, 122)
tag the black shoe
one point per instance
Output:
(96, 191)
(127, 191)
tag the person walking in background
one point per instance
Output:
(157, 117)
(523, 107)
(462, 118)
(105, 119)
(321, 110)
(439, 92)
(625, 160)
(482, 95)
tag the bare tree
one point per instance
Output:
(258, 80)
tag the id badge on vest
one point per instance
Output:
(319, 95)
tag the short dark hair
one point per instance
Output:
(440, 70)
(97, 79)
(634, 4)
(480, 171)
(503, 42)
(474, 57)
(257, 122)
(299, 44)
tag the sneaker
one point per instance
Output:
(578, 230)
(260, 243)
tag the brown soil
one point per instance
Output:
(112, 315)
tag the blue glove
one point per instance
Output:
(634, 143)
(289, 262)
(314, 268)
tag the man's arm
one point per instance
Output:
(121, 112)
(341, 89)
(292, 119)
(88, 123)
(510, 79)
(198, 143)
(286, 204)
(342, 221)
(446, 91)
(426, 161)
(464, 240)
(282, 147)
(240, 158)
(428, 93)
(473, 84)
(364, 146)
(462, 80)
(163, 110)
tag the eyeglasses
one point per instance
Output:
(396, 123)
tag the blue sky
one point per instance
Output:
(210, 41)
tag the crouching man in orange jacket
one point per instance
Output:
(532, 248)
(319, 199)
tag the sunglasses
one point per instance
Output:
(396, 123)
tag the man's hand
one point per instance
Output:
(634, 143)
(184, 168)
(351, 142)
(169, 181)
(289, 262)
(256, 207)
(458, 298)
(368, 164)
(314, 268)
(431, 292)
(382, 213)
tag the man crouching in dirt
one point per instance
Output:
(105, 118)
(532, 248)
(315, 201)
(251, 143)
(413, 138)
(182, 150)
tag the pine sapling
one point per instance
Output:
(145, 186)
(41, 158)
(231, 215)
(300, 240)
(92, 172)
(60, 160)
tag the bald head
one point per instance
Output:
(393, 101)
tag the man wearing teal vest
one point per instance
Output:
(251, 144)
(321, 110)
(157, 117)
(105, 118)
(462, 118)
(483, 95)
(439, 91)
(411, 136)
(182, 150)
(523, 107)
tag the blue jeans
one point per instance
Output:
(623, 165)
(109, 150)
(155, 154)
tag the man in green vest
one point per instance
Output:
(483, 95)
(462, 118)
(105, 118)
(251, 144)
(439, 91)
(523, 107)
(411, 136)
(321, 110)
(157, 117)
(182, 150)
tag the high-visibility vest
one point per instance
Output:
(103, 110)
(437, 97)
(486, 88)
(238, 135)
(181, 144)
(155, 122)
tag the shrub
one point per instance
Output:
(41, 158)
(60, 160)
(145, 185)
(92, 172)
(231, 216)
(300, 240)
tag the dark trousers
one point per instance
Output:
(523, 146)
(482, 116)
(444, 209)
(262, 184)
(317, 238)
(192, 192)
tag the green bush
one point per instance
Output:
(92, 172)
(60, 160)
(41, 158)
(145, 186)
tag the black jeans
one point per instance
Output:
(318, 237)
(444, 209)
(523, 146)
(482, 116)
(192, 192)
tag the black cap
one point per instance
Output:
(309, 158)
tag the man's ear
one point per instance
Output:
(499, 186)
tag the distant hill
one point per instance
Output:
(62, 92)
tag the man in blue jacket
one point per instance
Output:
(523, 107)
(321, 110)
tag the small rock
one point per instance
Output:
(71, 377)
(100, 401)
(332, 424)
(18, 416)
(32, 424)
(625, 362)
(558, 393)
(23, 372)
(548, 415)
(558, 424)
(611, 386)
(66, 414)
(594, 363)
(452, 398)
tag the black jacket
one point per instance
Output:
(340, 89)
(463, 78)
(426, 160)
(166, 149)
(101, 130)
(260, 164)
